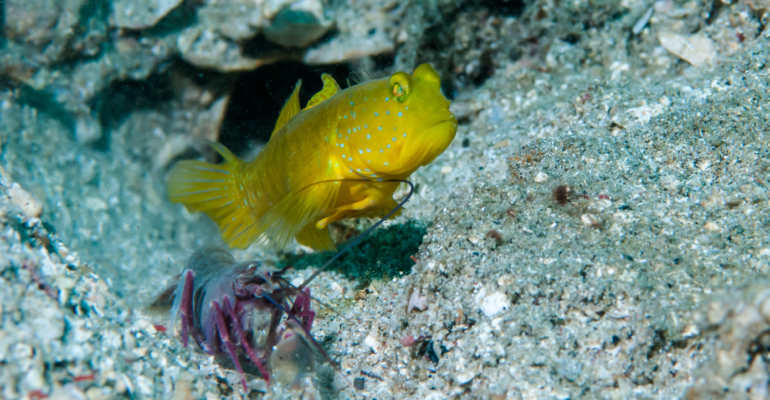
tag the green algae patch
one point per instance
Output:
(386, 253)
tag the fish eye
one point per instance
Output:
(397, 90)
(399, 86)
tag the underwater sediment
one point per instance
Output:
(646, 278)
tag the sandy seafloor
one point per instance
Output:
(650, 282)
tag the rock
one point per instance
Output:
(235, 20)
(132, 14)
(184, 123)
(222, 27)
(206, 49)
(372, 343)
(465, 376)
(47, 26)
(87, 130)
(298, 25)
(28, 205)
(343, 48)
(29, 22)
(696, 49)
(95, 204)
(589, 220)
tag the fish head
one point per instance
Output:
(409, 126)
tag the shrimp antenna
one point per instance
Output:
(304, 329)
(363, 234)
(288, 284)
(324, 305)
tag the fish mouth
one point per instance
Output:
(437, 138)
(451, 119)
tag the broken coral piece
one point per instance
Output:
(416, 301)
(495, 303)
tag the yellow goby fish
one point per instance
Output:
(329, 161)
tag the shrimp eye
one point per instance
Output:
(399, 86)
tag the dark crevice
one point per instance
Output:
(259, 47)
(383, 62)
(2, 28)
(122, 98)
(572, 38)
(94, 8)
(716, 7)
(658, 343)
(332, 33)
(178, 19)
(259, 96)
(760, 346)
(486, 68)
(503, 8)
(46, 103)
(506, 8)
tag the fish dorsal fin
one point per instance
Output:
(330, 89)
(290, 109)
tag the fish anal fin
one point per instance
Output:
(282, 223)
(317, 239)
(330, 89)
(290, 109)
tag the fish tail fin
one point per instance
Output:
(317, 239)
(211, 189)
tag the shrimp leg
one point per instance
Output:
(225, 336)
(238, 328)
(186, 309)
(301, 308)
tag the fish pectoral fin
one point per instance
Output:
(290, 109)
(351, 209)
(330, 89)
(282, 223)
(385, 207)
(318, 239)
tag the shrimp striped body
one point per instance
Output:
(325, 163)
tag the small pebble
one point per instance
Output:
(495, 304)
(589, 220)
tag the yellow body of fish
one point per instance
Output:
(322, 164)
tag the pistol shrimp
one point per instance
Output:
(237, 309)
